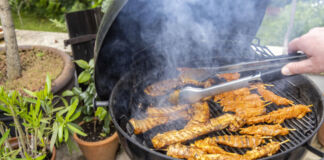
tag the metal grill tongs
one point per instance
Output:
(192, 94)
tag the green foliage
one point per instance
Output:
(309, 14)
(44, 124)
(52, 10)
(86, 97)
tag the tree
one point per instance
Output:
(12, 54)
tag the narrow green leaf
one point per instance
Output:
(75, 129)
(84, 77)
(60, 132)
(57, 109)
(41, 157)
(48, 83)
(75, 116)
(37, 106)
(54, 136)
(4, 137)
(64, 102)
(3, 108)
(32, 94)
(72, 109)
(76, 90)
(66, 134)
(82, 64)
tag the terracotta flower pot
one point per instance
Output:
(320, 135)
(14, 144)
(102, 150)
(1, 33)
(66, 79)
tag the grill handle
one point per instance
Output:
(97, 103)
(314, 150)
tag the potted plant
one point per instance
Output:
(101, 142)
(38, 124)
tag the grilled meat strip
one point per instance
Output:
(165, 111)
(200, 114)
(214, 124)
(229, 76)
(266, 150)
(270, 96)
(208, 145)
(182, 151)
(278, 116)
(230, 95)
(265, 130)
(238, 141)
(218, 157)
(248, 112)
(143, 125)
(162, 87)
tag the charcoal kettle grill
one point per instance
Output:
(126, 64)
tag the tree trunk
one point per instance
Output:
(12, 54)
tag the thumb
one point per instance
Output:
(304, 66)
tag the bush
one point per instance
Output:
(308, 14)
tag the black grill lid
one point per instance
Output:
(132, 30)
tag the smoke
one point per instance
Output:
(171, 33)
(186, 30)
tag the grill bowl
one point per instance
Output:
(128, 93)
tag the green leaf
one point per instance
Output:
(101, 113)
(82, 64)
(64, 102)
(76, 90)
(32, 94)
(4, 137)
(3, 108)
(72, 109)
(48, 84)
(41, 157)
(54, 136)
(60, 133)
(66, 134)
(76, 129)
(91, 63)
(71, 145)
(37, 106)
(67, 93)
(75, 116)
(84, 77)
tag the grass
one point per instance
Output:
(33, 22)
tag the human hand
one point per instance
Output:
(312, 44)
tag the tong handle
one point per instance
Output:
(272, 75)
(276, 74)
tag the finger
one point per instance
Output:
(293, 46)
(305, 66)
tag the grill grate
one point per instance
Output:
(304, 127)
